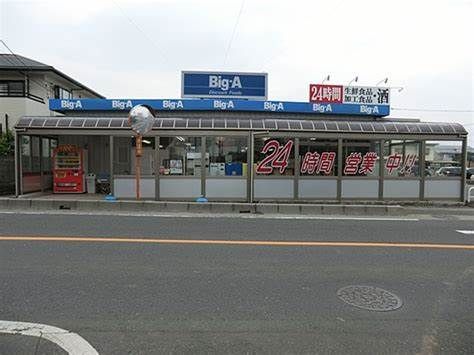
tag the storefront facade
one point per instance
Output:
(232, 155)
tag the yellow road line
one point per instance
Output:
(242, 242)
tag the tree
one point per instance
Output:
(7, 143)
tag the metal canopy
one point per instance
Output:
(390, 127)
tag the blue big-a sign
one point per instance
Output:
(199, 84)
(219, 104)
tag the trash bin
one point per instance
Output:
(90, 182)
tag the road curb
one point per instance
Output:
(43, 204)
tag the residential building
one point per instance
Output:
(26, 85)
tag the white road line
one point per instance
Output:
(70, 342)
(207, 215)
(465, 232)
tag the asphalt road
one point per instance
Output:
(149, 298)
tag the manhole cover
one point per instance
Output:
(370, 297)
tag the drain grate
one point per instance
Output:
(369, 297)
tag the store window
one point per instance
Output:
(401, 158)
(45, 155)
(361, 158)
(53, 145)
(35, 154)
(227, 156)
(444, 160)
(181, 156)
(26, 154)
(122, 155)
(274, 156)
(318, 157)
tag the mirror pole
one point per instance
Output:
(138, 154)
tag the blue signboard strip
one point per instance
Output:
(218, 105)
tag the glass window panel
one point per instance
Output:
(61, 93)
(168, 123)
(274, 156)
(206, 123)
(318, 157)
(402, 128)
(367, 127)
(35, 154)
(390, 127)
(122, 155)
(53, 145)
(307, 125)
(270, 124)
(378, 127)
(448, 129)
(343, 126)
(413, 128)
(193, 123)
(16, 88)
(227, 156)
(295, 124)
(443, 158)
(77, 123)
(45, 154)
(38, 122)
(3, 89)
(244, 123)
(360, 158)
(26, 154)
(219, 123)
(331, 126)
(88, 123)
(181, 156)
(424, 128)
(116, 123)
(355, 126)
(232, 123)
(401, 158)
(282, 124)
(102, 123)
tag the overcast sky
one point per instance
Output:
(136, 49)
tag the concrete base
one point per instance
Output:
(91, 203)
(39, 203)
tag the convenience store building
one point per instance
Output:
(229, 149)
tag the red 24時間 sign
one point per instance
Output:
(329, 94)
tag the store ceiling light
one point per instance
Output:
(146, 141)
(180, 138)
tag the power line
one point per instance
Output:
(430, 110)
(233, 31)
(138, 28)
(24, 64)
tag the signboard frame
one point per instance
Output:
(243, 97)
(340, 98)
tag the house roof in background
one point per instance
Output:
(17, 62)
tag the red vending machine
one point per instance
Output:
(69, 169)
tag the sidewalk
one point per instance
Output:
(91, 203)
